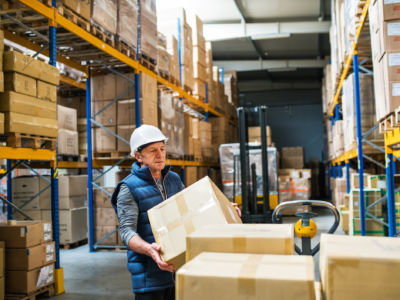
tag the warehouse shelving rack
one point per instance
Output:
(391, 138)
(110, 56)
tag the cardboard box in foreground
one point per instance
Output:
(241, 238)
(359, 267)
(198, 205)
(246, 276)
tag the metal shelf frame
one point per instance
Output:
(390, 139)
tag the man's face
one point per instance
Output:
(152, 156)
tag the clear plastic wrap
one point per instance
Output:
(229, 153)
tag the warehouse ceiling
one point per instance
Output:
(274, 44)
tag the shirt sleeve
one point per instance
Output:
(128, 213)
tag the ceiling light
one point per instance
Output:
(270, 36)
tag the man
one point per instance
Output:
(149, 183)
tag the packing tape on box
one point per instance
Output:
(247, 275)
(239, 244)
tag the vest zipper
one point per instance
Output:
(162, 195)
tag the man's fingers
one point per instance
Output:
(156, 246)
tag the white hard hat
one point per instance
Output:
(145, 134)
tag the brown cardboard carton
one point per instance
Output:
(246, 276)
(369, 263)
(25, 234)
(2, 287)
(108, 117)
(389, 10)
(149, 111)
(30, 258)
(125, 89)
(1, 45)
(81, 7)
(46, 91)
(2, 259)
(104, 14)
(255, 134)
(148, 88)
(103, 87)
(241, 238)
(126, 112)
(124, 132)
(28, 282)
(1, 123)
(79, 103)
(119, 176)
(27, 105)
(68, 142)
(102, 200)
(199, 56)
(34, 214)
(199, 72)
(103, 141)
(172, 220)
(101, 231)
(199, 88)
(20, 63)
(190, 175)
(72, 191)
(25, 187)
(20, 84)
(20, 123)
(105, 217)
(127, 22)
(1, 81)
(73, 224)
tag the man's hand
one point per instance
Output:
(154, 250)
(237, 209)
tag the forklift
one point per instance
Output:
(256, 208)
(264, 208)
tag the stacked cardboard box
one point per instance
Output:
(68, 143)
(367, 105)
(30, 256)
(188, 135)
(1, 63)
(199, 56)
(186, 54)
(338, 138)
(294, 184)
(248, 276)
(197, 146)
(172, 122)
(163, 57)
(221, 131)
(254, 135)
(206, 140)
(292, 158)
(327, 89)
(209, 73)
(127, 22)
(172, 48)
(30, 95)
(345, 263)
(72, 203)
(200, 204)
(82, 8)
(1, 123)
(105, 219)
(148, 29)
(384, 24)
(104, 15)
(231, 87)
(82, 136)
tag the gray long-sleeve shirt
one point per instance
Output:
(128, 211)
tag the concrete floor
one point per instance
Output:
(103, 275)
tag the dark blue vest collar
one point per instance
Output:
(145, 173)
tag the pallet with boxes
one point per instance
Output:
(29, 259)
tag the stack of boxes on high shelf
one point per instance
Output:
(27, 252)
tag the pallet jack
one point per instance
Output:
(305, 228)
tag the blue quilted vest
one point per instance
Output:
(146, 275)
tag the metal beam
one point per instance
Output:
(271, 65)
(257, 31)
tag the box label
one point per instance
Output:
(393, 29)
(46, 276)
(394, 59)
(22, 234)
(49, 252)
(47, 232)
(395, 89)
(381, 184)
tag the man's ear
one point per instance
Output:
(138, 156)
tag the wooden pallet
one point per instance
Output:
(387, 123)
(164, 75)
(74, 245)
(110, 155)
(21, 140)
(174, 156)
(125, 48)
(148, 62)
(74, 17)
(47, 291)
(103, 35)
(174, 80)
(66, 157)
